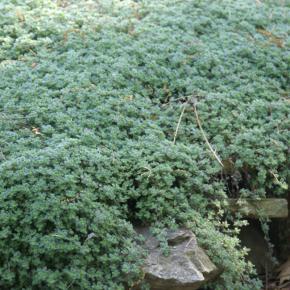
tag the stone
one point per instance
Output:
(265, 207)
(187, 267)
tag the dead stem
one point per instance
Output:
(179, 122)
(205, 138)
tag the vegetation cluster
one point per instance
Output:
(104, 109)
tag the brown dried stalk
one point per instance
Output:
(179, 122)
(205, 138)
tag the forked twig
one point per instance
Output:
(205, 138)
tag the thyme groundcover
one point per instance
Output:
(91, 94)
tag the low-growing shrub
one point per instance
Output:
(91, 94)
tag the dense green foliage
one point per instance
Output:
(90, 97)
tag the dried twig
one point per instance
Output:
(275, 176)
(205, 138)
(179, 122)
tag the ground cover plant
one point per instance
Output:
(98, 107)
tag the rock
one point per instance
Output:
(186, 268)
(254, 208)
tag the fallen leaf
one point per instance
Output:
(129, 98)
(20, 16)
(278, 41)
(36, 131)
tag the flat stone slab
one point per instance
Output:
(187, 267)
(265, 207)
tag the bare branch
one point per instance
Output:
(205, 138)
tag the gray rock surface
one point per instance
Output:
(255, 208)
(186, 268)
